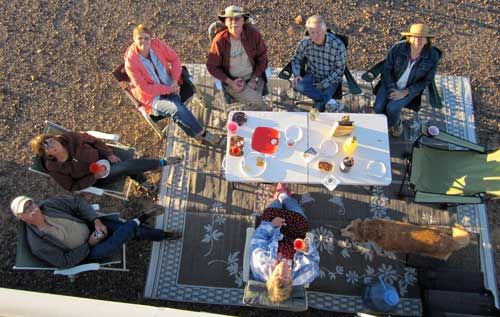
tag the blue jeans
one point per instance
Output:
(133, 168)
(320, 95)
(171, 106)
(290, 204)
(118, 234)
(391, 108)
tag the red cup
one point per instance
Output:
(235, 151)
(95, 167)
(232, 127)
(299, 244)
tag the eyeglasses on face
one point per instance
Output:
(28, 206)
(235, 19)
(48, 143)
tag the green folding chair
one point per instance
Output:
(375, 72)
(26, 260)
(118, 188)
(352, 85)
(468, 174)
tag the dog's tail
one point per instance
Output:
(461, 238)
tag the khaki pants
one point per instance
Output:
(252, 98)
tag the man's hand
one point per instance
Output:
(295, 81)
(237, 85)
(278, 222)
(99, 226)
(114, 159)
(395, 94)
(94, 239)
(252, 83)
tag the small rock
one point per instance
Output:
(298, 20)
(33, 77)
(361, 29)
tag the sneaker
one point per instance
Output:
(171, 160)
(210, 138)
(397, 129)
(172, 235)
(281, 188)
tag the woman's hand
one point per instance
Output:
(398, 94)
(175, 88)
(278, 222)
(114, 159)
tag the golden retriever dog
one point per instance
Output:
(404, 237)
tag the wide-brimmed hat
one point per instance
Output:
(418, 30)
(232, 12)
(17, 205)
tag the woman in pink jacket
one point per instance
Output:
(155, 70)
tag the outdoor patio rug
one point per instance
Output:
(206, 266)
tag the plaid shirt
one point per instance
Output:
(326, 62)
(264, 256)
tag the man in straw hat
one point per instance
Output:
(409, 68)
(64, 231)
(238, 57)
(325, 54)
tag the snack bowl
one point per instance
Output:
(324, 165)
(253, 164)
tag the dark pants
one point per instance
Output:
(320, 95)
(118, 234)
(133, 168)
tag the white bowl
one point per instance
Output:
(328, 148)
(107, 165)
(249, 165)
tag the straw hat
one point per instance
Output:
(232, 12)
(418, 30)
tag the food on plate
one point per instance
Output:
(325, 166)
(236, 140)
(259, 162)
(236, 151)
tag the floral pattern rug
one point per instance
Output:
(206, 267)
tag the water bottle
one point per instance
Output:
(380, 297)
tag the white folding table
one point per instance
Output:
(288, 165)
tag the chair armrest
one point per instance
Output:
(78, 269)
(269, 72)
(93, 190)
(104, 136)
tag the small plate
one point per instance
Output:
(253, 164)
(294, 132)
(376, 169)
(107, 165)
(328, 148)
(324, 160)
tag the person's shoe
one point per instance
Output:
(397, 129)
(171, 160)
(198, 139)
(210, 138)
(172, 235)
(281, 188)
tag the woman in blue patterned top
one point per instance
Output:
(273, 258)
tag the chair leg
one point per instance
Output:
(407, 169)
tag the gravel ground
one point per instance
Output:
(55, 63)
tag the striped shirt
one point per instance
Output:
(264, 256)
(325, 62)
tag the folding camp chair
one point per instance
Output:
(255, 293)
(115, 189)
(228, 101)
(189, 92)
(25, 260)
(376, 72)
(353, 87)
(468, 174)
